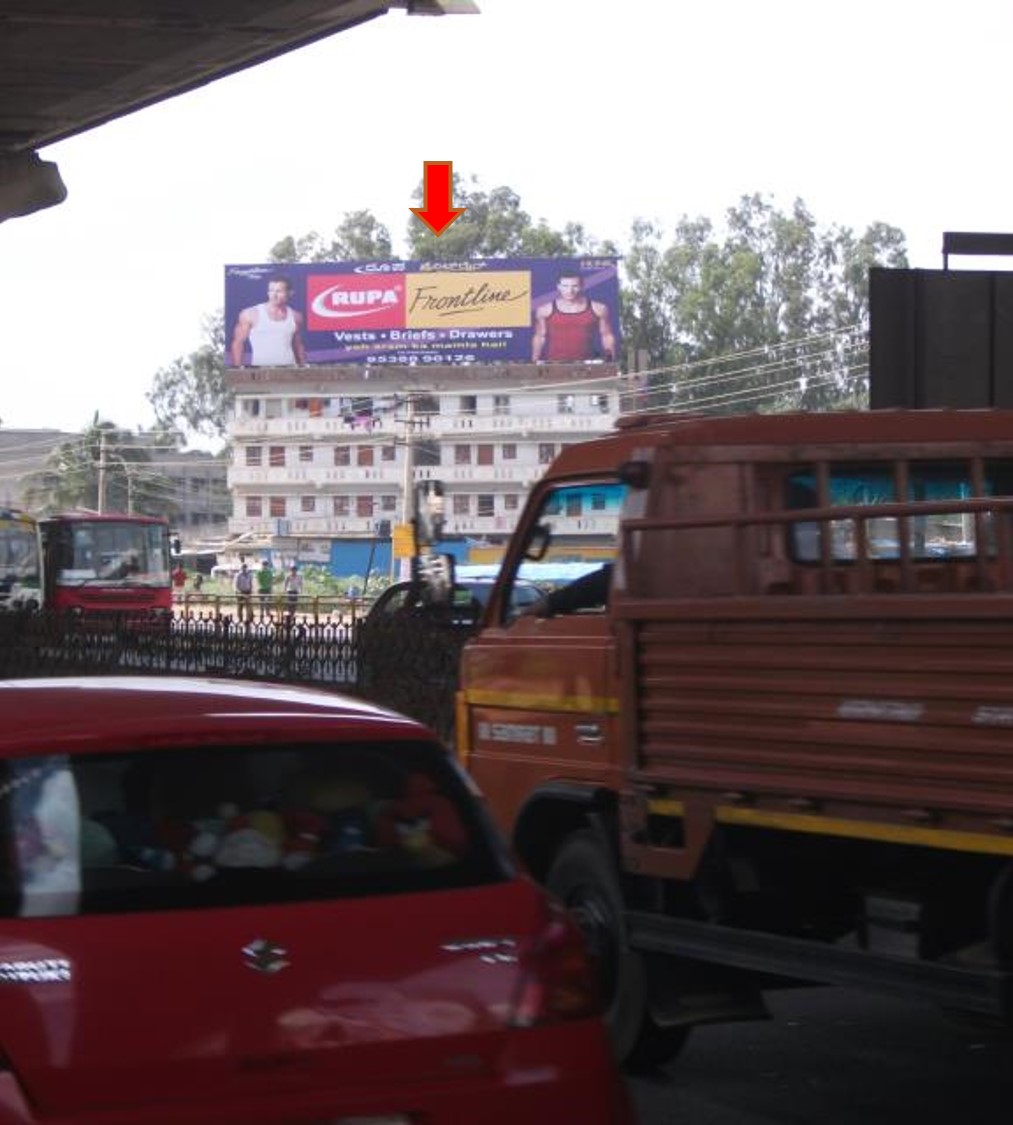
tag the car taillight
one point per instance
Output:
(557, 980)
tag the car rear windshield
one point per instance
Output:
(160, 830)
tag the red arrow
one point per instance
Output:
(437, 210)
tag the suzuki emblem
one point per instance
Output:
(265, 957)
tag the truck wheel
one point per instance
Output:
(584, 878)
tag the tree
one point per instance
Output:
(648, 333)
(496, 226)
(191, 393)
(72, 476)
(359, 236)
(773, 310)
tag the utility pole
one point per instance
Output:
(101, 473)
(408, 479)
(408, 485)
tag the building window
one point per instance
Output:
(254, 507)
(467, 404)
(251, 406)
(305, 454)
(462, 504)
(511, 502)
(509, 452)
(276, 457)
(462, 454)
(388, 503)
(573, 506)
(273, 407)
(501, 404)
(364, 455)
(426, 404)
(342, 455)
(388, 453)
(600, 403)
(340, 505)
(358, 412)
(565, 404)
(484, 454)
(307, 503)
(427, 453)
(254, 456)
(277, 508)
(598, 502)
(364, 506)
(546, 452)
(486, 505)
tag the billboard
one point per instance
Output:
(487, 310)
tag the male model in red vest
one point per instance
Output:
(572, 327)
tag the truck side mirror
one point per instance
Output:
(539, 542)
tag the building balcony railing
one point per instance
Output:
(310, 526)
(388, 478)
(318, 526)
(315, 476)
(337, 431)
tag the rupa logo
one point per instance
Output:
(351, 301)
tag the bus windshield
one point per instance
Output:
(19, 560)
(122, 552)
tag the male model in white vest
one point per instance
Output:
(272, 329)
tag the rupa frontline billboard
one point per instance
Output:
(489, 310)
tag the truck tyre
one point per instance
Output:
(583, 877)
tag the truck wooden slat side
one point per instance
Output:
(790, 721)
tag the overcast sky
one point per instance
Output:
(592, 110)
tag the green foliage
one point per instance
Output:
(71, 476)
(190, 393)
(772, 308)
(496, 226)
(360, 236)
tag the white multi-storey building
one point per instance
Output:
(325, 454)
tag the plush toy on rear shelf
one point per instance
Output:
(343, 805)
(304, 837)
(423, 823)
(252, 840)
(229, 839)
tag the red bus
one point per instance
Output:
(110, 563)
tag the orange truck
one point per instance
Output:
(765, 737)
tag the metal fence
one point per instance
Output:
(409, 665)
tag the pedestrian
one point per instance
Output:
(198, 581)
(265, 584)
(179, 578)
(243, 586)
(293, 588)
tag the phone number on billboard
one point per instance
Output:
(422, 357)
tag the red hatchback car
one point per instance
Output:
(231, 903)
